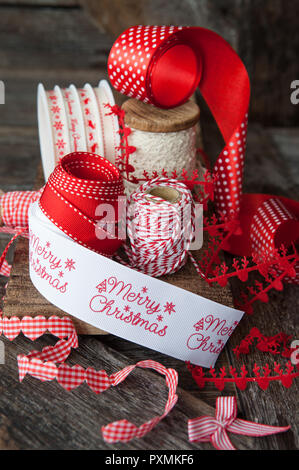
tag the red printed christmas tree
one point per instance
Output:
(102, 287)
(199, 325)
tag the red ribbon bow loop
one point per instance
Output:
(72, 197)
(163, 65)
(214, 430)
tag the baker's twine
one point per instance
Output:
(160, 232)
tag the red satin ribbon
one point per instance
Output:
(214, 430)
(163, 65)
(78, 185)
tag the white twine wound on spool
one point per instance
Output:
(169, 151)
(160, 226)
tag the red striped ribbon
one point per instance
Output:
(214, 430)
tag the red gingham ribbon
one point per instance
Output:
(49, 364)
(214, 430)
(15, 205)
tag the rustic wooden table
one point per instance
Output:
(34, 415)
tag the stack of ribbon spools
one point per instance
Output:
(76, 120)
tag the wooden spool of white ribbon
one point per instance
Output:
(165, 139)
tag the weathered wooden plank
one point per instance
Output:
(41, 3)
(270, 168)
(34, 415)
(120, 15)
(57, 38)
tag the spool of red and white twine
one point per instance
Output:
(160, 226)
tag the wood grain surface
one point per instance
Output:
(36, 415)
(148, 118)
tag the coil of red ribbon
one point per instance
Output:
(163, 65)
(79, 183)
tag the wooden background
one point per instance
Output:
(57, 42)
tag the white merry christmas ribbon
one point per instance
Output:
(124, 302)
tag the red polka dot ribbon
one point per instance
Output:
(78, 185)
(163, 65)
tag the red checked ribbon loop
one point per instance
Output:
(214, 430)
(163, 65)
(76, 188)
(49, 364)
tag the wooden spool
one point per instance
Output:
(146, 117)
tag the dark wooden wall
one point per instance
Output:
(264, 32)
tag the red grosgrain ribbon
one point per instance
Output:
(214, 430)
(267, 222)
(49, 364)
(163, 65)
(78, 185)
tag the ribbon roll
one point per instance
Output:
(163, 65)
(161, 227)
(120, 300)
(71, 120)
(267, 222)
(78, 185)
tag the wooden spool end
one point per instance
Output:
(146, 117)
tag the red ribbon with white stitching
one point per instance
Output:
(49, 364)
(214, 430)
(78, 184)
(163, 65)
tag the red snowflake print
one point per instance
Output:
(60, 143)
(160, 317)
(48, 244)
(169, 307)
(61, 274)
(94, 147)
(127, 308)
(52, 97)
(144, 290)
(69, 264)
(58, 125)
(55, 109)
